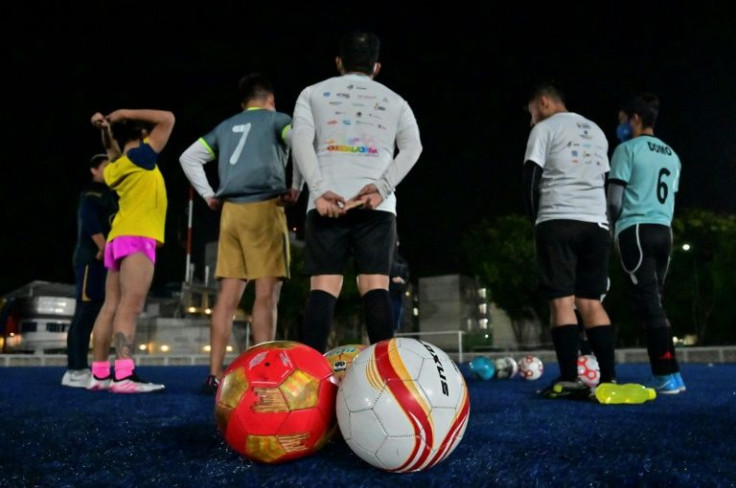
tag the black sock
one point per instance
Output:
(601, 341)
(378, 315)
(566, 339)
(318, 319)
(661, 350)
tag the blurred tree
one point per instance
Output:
(701, 284)
(500, 254)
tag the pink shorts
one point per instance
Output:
(123, 246)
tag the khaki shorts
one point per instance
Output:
(254, 241)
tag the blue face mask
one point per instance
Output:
(623, 131)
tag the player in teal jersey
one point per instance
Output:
(644, 177)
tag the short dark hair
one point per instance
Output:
(646, 106)
(254, 86)
(129, 130)
(96, 160)
(359, 51)
(549, 88)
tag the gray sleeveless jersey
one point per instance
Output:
(251, 155)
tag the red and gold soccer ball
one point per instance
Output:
(340, 358)
(276, 402)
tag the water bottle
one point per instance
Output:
(631, 393)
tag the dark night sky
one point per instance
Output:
(464, 70)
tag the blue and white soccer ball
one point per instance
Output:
(506, 367)
(482, 367)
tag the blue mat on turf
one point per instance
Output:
(61, 437)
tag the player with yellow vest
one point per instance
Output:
(137, 230)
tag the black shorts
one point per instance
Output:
(368, 236)
(573, 258)
(644, 250)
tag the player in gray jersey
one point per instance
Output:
(251, 149)
(346, 133)
(565, 167)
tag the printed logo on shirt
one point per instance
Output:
(326, 94)
(352, 149)
(332, 122)
(367, 97)
(379, 107)
(333, 102)
(343, 95)
(347, 122)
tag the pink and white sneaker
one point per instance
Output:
(98, 384)
(134, 384)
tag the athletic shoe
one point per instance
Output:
(680, 382)
(667, 384)
(134, 384)
(76, 378)
(573, 390)
(99, 384)
(210, 385)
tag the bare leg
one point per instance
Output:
(265, 309)
(136, 275)
(592, 312)
(562, 311)
(221, 324)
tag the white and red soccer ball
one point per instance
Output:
(588, 370)
(403, 405)
(530, 367)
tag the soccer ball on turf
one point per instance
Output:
(482, 367)
(341, 357)
(403, 405)
(506, 367)
(588, 370)
(530, 367)
(276, 402)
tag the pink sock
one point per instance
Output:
(123, 368)
(101, 369)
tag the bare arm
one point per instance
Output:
(108, 141)
(162, 120)
(99, 241)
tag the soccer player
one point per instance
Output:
(346, 132)
(644, 177)
(96, 207)
(130, 253)
(251, 149)
(564, 176)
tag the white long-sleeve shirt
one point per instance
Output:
(346, 131)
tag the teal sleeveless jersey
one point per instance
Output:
(651, 171)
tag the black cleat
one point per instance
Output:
(572, 390)
(210, 385)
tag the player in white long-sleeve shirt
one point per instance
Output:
(346, 131)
